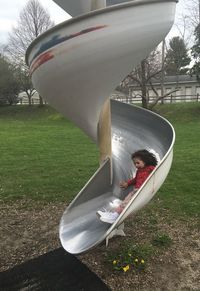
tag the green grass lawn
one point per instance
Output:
(45, 157)
(181, 192)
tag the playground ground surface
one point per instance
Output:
(30, 230)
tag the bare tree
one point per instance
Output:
(33, 21)
(184, 28)
(144, 76)
(188, 20)
(193, 12)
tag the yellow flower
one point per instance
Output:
(130, 255)
(136, 260)
(114, 262)
(142, 261)
(126, 268)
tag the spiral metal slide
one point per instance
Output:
(75, 66)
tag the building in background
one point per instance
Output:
(184, 88)
(23, 99)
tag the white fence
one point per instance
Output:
(137, 99)
(168, 99)
(25, 102)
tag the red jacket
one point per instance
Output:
(141, 176)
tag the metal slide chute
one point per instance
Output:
(75, 66)
(132, 128)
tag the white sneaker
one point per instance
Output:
(109, 217)
(115, 203)
(102, 212)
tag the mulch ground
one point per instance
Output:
(31, 254)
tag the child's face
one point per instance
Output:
(139, 164)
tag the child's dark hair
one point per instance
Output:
(148, 158)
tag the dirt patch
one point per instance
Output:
(29, 229)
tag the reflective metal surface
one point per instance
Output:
(133, 128)
(75, 66)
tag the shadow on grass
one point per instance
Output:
(56, 270)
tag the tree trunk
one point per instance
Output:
(143, 85)
(29, 99)
(41, 101)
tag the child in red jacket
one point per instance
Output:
(145, 162)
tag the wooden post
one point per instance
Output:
(97, 4)
(104, 132)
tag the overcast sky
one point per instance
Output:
(10, 9)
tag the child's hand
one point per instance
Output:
(123, 184)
